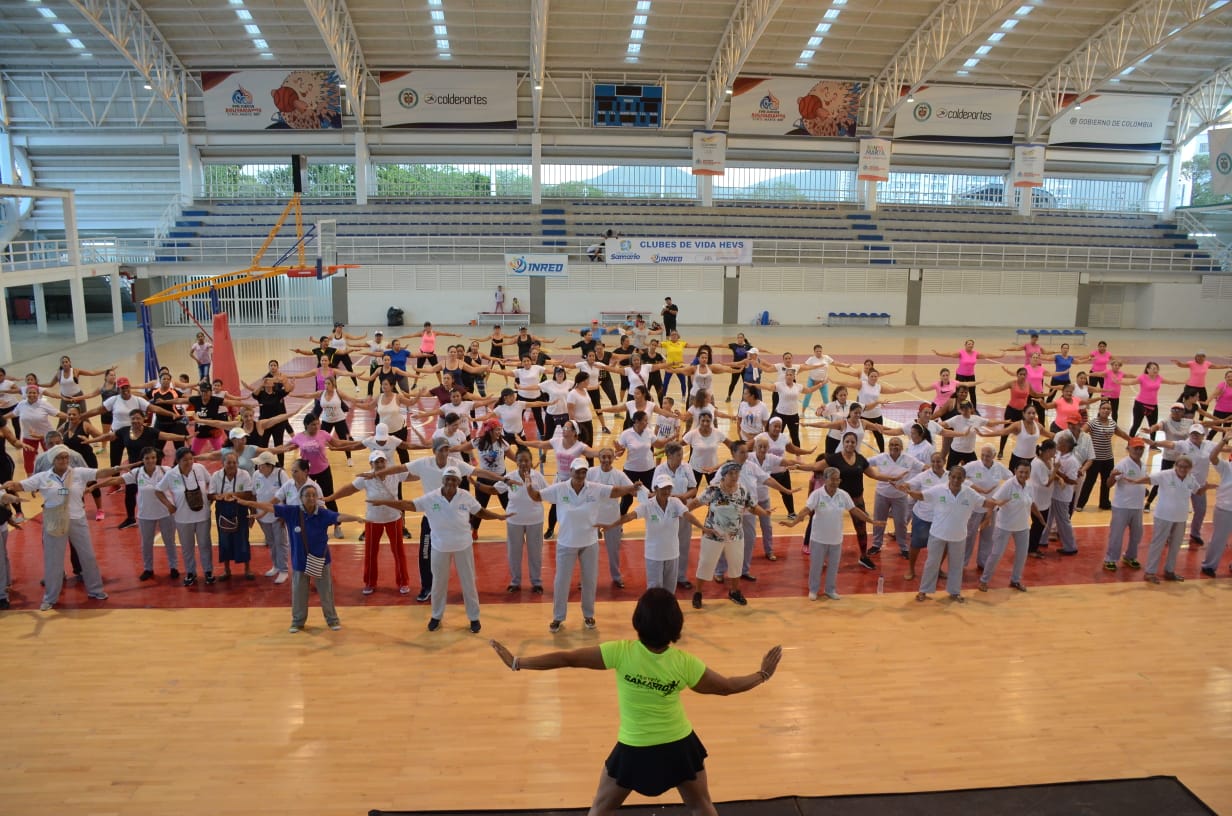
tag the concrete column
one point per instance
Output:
(76, 292)
(705, 190)
(117, 302)
(538, 300)
(6, 342)
(8, 160)
(40, 309)
(190, 169)
(363, 163)
(870, 196)
(1025, 199)
(536, 175)
(731, 295)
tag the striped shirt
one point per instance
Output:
(1101, 437)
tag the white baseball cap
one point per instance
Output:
(238, 433)
(579, 464)
(663, 480)
(1197, 429)
(450, 471)
(376, 456)
(382, 432)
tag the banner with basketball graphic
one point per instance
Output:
(461, 100)
(959, 114)
(709, 152)
(794, 106)
(272, 100)
(874, 160)
(1220, 142)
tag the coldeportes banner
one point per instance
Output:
(954, 114)
(537, 266)
(1220, 142)
(874, 160)
(1114, 122)
(272, 100)
(709, 152)
(463, 100)
(679, 251)
(1029, 165)
(794, 106)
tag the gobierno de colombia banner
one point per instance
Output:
(1114, 122)
(679, 251)
(794, 106)
(272, 100)
(460, 100)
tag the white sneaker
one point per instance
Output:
(369, 590)
(334, 627)
(98, 596)
(293, 630)
(338, 531)
(271, 572)
(404, 590)
(44, 606)
(281, 579)
(812, 596)
(834, 596)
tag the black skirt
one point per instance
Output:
(654, 769)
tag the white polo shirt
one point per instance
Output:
(1223, 494)
(265, 489)
(429, 472)
(450, 519)
(576, 511)
(703, 450)
(1041, 491)
(986, 478)
(220, 482)
(149, 508)
(1174, 493)
(1201, 456)
(639, 449)
(682, 478)
(662, 528)
(904, 467)
(288, 492)
(924, 482)
(57, 490)
(386, 488)
(522, 508)
(609, 508)
(1127, 496)
(828, 513)
(951, 512)
(177, 483)
(1016, 514)
(1068, 467)
(968, 426)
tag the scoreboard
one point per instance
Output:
(635, 106)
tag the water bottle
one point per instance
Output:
(881, 585)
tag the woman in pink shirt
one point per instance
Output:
(967, 357)
(1029, 349)
(1036, 374)
(1111, 388)
(1100, 359)
(1146, 404)
(1067, 406)
(1222, 408)
(1196, 384)
(943, 390)
(313, 445)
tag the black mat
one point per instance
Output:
(1150, 796)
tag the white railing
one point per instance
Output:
(1206, 239)
(166, 221)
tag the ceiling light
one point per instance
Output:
(807, 54)
(1023, 11)
(538, 86)
(440, 31)
(76, 43)
(633, 48)
(260, 44)
(910, 98)
(727, 91)
(442, 45)
(62, 28)
(971, 63)
(814, 42)
(46, 12)
(86, 54)
(148, 87)
(243, 14)
(831, 14)
(639, 19)
(643, 5)
(253, 30)
(342, 85)
(1078, 106)
(437, 16)
(637, 34)
(267, 55)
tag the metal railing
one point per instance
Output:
(1192, 225)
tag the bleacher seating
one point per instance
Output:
(858, 319)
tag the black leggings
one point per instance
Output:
(1011, 415)
(1115, 402)
(340, 428)
(483, 497)
(957, 458)
(326, 480)
(832, 444)
(1037, 531)
(551, 422)
(1148, 412)
(792, 423)
(274, 436)
(344, 361)
(609, 389)
(1101, 469)
(966, 378)
(789, 500)
(537, 412)
(731, 387)
(646, 477)
(586, 433)
(878, 437)
(702, 477)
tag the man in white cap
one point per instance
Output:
(449, 512)
(577, 503)
(1223, 510)
(1176, 428)
(665, 515)
(684, 488)
(266, 482)
(1198, 449)
(378, 520)
(1176, 487)
(430, 470)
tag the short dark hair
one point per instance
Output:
(657, 618)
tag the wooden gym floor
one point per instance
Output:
(219, 710)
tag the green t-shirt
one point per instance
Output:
(648, 687)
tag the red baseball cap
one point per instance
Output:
(123, 381)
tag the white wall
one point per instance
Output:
(1013, 311)
(449, 294)
(805, 295)
(1184, 305)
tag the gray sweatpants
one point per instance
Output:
(611, 542)
(53, 560)
(588, 558)
(685, 536)
(1059, 516)
(1198, 502)
(276, 540)
(196, 533)
(661, 574)
(530, 538)
(147, 528)
(938, 548)
(1165, 534)
(1123, 519)
(986, 538)
(886, 507)
(824, 555)
(464, 562)
(299, 597)
(1000, 541)
(1219, 539)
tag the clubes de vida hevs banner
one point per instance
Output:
(679, 251)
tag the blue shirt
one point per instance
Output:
(398, 358)
(315, 532)
(1064, 364)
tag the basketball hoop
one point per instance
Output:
(300, 272)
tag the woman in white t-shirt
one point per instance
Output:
(704, 443)
(380, 520)
(638, 444)
(226, 485)
(753, 413)
(183, 492)
(152, 516)
(663, 515)
(1016, 509)
(581, 408)
(789, 393)
(524, 527)
(567, 447)
(510, 410)
(555, 391)
(266, 482)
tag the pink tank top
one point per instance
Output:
(966, 362)
(1099, 362)
(1035, 378)
(1148, 389)
(1197, 373)
(427, 343)
(1112, 384)
(1066, 409)
(945, 392)
(1223, 398)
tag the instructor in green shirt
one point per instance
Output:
(656, 747)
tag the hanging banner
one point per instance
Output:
(709, 152)
(874, 160)
(959, 114)
(272, 100)
(679, 251)
(1114, 122)
(1029, 165)
(1220, 142)
(462, 100)
(794, 106)
(537, 266)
